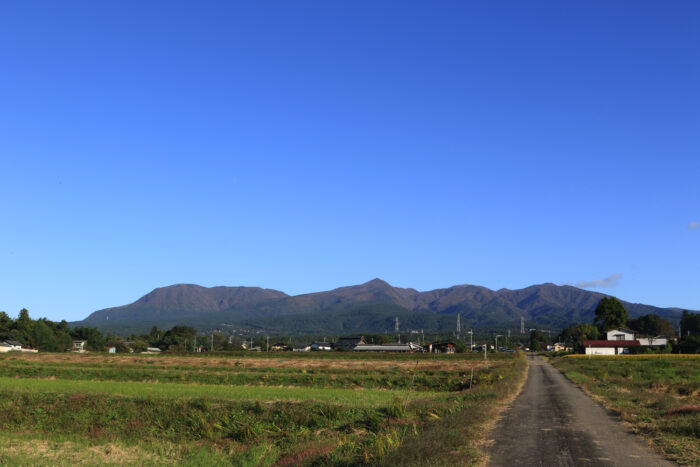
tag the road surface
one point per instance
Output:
(553, 423)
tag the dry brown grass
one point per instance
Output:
(253, 362)
(67, 452)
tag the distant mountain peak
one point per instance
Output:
(376, 282)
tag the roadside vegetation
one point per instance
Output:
(297, 410)
(658, 395)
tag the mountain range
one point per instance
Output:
(366, 308)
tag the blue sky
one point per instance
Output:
(304, 146)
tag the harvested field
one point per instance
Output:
(275, 360)
(331, 409)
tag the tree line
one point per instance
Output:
(50, 336)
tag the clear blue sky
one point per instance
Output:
(304, 146)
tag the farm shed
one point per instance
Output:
(410, 347)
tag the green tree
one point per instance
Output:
(179, 338)
(651, 325)
(22, 327)
(221, 342)
(96, 341)
(610, 314)
(690, 323)
(538, 341)
(5, 324)
(155, 335)
(575, 335)
(41, 337)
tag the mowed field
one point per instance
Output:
(251, 409)
(657, 395)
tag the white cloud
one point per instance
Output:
(611, 281)
(693, 225)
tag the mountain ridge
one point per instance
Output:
(368, 307)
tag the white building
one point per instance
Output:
(620, 335)
(609, 346)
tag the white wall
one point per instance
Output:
(629, 336)
(600, 350)
(653, 340)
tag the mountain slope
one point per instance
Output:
(184, 300)
(368, 307)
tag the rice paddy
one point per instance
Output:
(318, 409)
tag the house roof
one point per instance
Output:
(15, 343)
(384, 348)
(350, 340)
(4, 344)
(607, 343)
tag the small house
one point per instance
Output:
(10, 345)
(301, 348)
(79, 346)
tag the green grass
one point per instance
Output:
(353, 397)
(426, 380)
(647, 392)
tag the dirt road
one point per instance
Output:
(553, 423)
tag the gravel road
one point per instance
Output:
(553, 423)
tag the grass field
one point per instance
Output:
(658, 395)
(275, 409)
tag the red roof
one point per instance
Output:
(606, 343)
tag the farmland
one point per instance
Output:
(267, 409)
(657, 395)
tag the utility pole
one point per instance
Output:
(522, 325)
(267, 346)
(485, 346)
(497, 336)
(194, 347)
(471, 346)
(396, 328)
(212, 341)
(459, 327)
